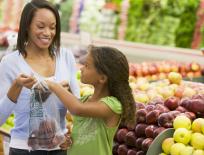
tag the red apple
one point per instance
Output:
(190, 115)
(131, 152)
(115, 149)
(140, 130)
(122, 149)
(146, 143)
(158, 131)
(138, 143)
(172, 103)
(140, 153)
(174, 113)
(130, 138)
(165, 120)
(120, 135)
(181, 109)
(139, 106)
(149, 131)
(141, 115)
(149, 107)
(153, 70)
(161, 108)
(152, 116)
(196, 105)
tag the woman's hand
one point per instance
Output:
(68, 142)
(21, 81)
(25, 81)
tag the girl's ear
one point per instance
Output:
(103, 79)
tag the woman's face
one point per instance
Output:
(42, 29)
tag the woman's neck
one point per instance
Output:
(37, 52)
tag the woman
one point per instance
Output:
(38, 54)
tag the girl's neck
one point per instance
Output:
(99, 92)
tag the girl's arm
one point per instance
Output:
(89, 109)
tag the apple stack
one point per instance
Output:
(160, 69)
(155, 115)
(188, 139)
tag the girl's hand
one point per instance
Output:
(25, 81)
(65, 85)
(68, 142)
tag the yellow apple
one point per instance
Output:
(174, 77)
(182, 135)
(162, 153)
(141, 97)
(198, 152)
(197, 124)
(188, 92)
(166, 145)
(197, 140)
(187, 151)
(182, 121)
(177, 148)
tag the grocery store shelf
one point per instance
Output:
(138, 52)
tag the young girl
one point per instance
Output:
(96, 117)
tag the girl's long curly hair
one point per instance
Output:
(113, 63)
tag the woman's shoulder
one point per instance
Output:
(65, 51)
(11, 57)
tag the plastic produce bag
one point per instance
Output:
(44, 127)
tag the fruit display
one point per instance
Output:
(160, 105)
(9, 124)
(1, 145)
(187, 139)
(160, 69)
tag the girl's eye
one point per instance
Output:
(40, 27)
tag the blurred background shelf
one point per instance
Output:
(137, 52)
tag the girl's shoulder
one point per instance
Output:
(113, 103)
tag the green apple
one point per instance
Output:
(166, 145)
(197, 140)
(182, 135)
(182, 121)
(198, 152)
(187, 151)
(197, 124)
(177, 148)
(162, 153)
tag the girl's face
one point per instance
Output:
(42, 29)
(89, 74)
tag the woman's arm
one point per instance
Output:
(21, 81)
(89, 109)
